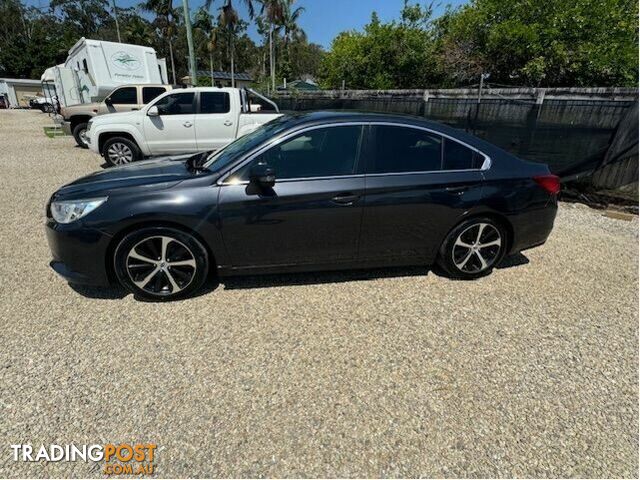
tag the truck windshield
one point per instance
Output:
(220, 159)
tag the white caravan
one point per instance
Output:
(94, 68)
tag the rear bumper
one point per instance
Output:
(532, 228)
(79, 253)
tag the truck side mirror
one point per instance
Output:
(153, 111)
(108, 102)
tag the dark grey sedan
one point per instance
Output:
(310, 191)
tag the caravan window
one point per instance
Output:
(125, 96)
(85, 67)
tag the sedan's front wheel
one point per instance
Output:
(473, 248)
(161, 263)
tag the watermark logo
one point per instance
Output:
(125, 61)
(119, 459)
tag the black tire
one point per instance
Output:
(465, 256)
(129, 149)
(180, 274)
(78, 132)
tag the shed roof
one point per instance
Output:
(23, 81)
(225, 75)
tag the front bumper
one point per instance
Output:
(79, 253)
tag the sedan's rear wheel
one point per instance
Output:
(161, 263)
(473, 248)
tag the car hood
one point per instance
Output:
(157, 174)
(115, 117)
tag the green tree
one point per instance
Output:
(553, 43)
(291, 31)
(397, 54)
(165, 22)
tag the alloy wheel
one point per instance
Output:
(477, 248)
(83, 136)
(120, 153)
(161, 265)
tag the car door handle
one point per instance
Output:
(345, 198)
(135, 109)
(228, 123)
(456, 190)
(187, 124)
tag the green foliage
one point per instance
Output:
(546, 43)
(517, 42)
(385, 55)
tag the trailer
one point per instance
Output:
(94, 68)
(18, 91)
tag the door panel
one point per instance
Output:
(413, 194)
(173, 130)
(295, 222)
(215, 123)
(407, 216)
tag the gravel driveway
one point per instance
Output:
(530, 372)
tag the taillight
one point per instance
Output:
(551, 183)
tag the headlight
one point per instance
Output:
(68, 211)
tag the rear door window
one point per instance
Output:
(459, 157)
(149, 93)
(124, 96)
(401, 149)
(214, 102)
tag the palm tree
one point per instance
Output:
(165, 21)
(204, 22)
(138, 31)
(229, 19)
(291, 30)
(273, 10)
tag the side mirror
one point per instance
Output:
(108, 102)
(153, 111)
(263, 175)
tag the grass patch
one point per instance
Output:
(53, 132)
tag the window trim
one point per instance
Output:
(366, 136)
(486, 164)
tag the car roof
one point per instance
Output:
(301, 119)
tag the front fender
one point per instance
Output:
(97, 132)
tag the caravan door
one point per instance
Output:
(172, 131)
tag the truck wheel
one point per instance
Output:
(80, 134)
(120, 150)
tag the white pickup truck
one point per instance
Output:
(181, 121)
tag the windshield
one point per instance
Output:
(220, 159)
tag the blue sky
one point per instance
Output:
(322, 20)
